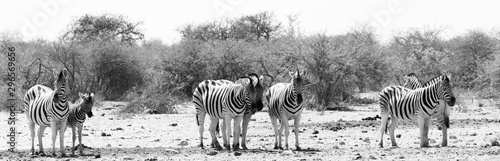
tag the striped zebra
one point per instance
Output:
(47, 107)
(406, 104)
(222, 99)
(442, 112)
(77, 117)
(285, 103)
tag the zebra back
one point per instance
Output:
(412, 81)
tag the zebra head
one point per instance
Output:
(411, 81)
(447, 91)
(297, 82)
(60, 88)
(254, 91)
(87, 103)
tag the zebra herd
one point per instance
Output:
(49, 108)
(223, 99)
(238, 101)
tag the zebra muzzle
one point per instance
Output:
(299, 98)
(90, 114)
(451, 101)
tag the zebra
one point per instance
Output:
(404, 103)
(222, 99)
(442, 111)
(46, 107)
(285, 103)
(77, 117)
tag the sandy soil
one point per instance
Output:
(329, 135)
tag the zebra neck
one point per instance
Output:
(294, 98)
(432, 81)
(239, 96)
(432, 93)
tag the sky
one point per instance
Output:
(48, 19)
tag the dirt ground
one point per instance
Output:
(329, 135)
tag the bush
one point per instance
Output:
(159, 95)
(115, 71)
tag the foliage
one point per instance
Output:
(105, 54)
(103, 28)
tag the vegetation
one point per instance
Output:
(107, 54)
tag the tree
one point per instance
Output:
(103, 28)
(471, 52)
(248, 28)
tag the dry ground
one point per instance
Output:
(331, 135)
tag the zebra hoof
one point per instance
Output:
(41, 154)
(298, 148)
(236, 147)
(62, 155)
(244, 147)
(201, 146)
(228, 148)
(54, 154)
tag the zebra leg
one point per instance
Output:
(383, 127)
(53, 127)
(32, 132)
(62, 129)
(274, 121)
(423, 123)
(392, 128)
(80, 145)
(200, 118)
(213, 124)
(296, 123)
(445, 125)
(236, 132)
(444, 129)
(41, 129)
(73, 136)
(224, 136)
(244, 129)
(227, 123)
(280, 136)
(284, 122)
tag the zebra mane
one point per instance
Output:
(412, 75)
(433, 80)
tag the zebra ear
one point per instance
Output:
(254, 80)
(291, 73)
(405, 77)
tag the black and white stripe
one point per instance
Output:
(441, 112)
(406, 104)
(77, 116)
(47, 107)
(223, 99)
(285, 103)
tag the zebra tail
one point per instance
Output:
(197, 120)
(217, 130)
(386, 126)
